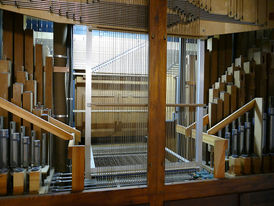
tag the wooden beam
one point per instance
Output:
(18, 43)
(157, 98)
(39, 72)
(8, 35)
(78, 168)
(29, 52)
(49, 83)
(18, 111)
(258, 126)
(193, 125)
(66, 128)
(250, 105)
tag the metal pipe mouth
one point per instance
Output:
(4, 133)
(18, 169)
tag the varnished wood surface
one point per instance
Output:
(129, 196)
(157, 98)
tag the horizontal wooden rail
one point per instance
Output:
(66, 128)
(250, 105)
(43, 124)
(146, 105)
(193, 125)
(218, 143)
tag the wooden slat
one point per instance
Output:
(193, 125)
(31, 85)
(18, 43)
(8, 35)
(232, 117)
(29, 52)
(212, 111)
(21, 77)
(66, 128)
(39, 72)
(226, 100)
(5, 66)
(232, 90)
(61, 69)
(258, 126)
(78, 168)
(17, 92)
(49, 83)
(34, 119)
(27, 105)
(157, 97)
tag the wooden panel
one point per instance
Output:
(250, 11)
(157, 97)
(228, 200)
(212, 111)
(3, 183)
(49, 83)
(29, 52)
(214, 61)
(262, 198)
(78, 168)
(17, 92)
(39, 72)
(218, 7)
(4, 93)
(18, 43)
(34, 119)
(5, 66)
(19, 182)
(8, 35)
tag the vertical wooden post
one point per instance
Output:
(219, 158)
(48, 83)
(78, 168)
(157, 98)
(39, 72)
(8, 35)
(258, 126)
(18, 43)
(29, 52)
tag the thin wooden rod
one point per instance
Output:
(250, 105)
(146, 105)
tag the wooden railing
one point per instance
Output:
(60, 130)
(220, 144)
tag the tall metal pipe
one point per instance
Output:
(26, 152)
(14, 155)
(4, 142)
(22, 134)
(271, 127)
(1, 122)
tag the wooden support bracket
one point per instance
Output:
(78, 168)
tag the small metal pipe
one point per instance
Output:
(26, 155)
(4, 139)
(22, 134)
(12, 127)
(248, 138)
(234, 143)
(44, 151)
(228, 137)
(242, 139)
(33, 138)
(233, 125)
(14, 160)
(36, 153)
(271, 127)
